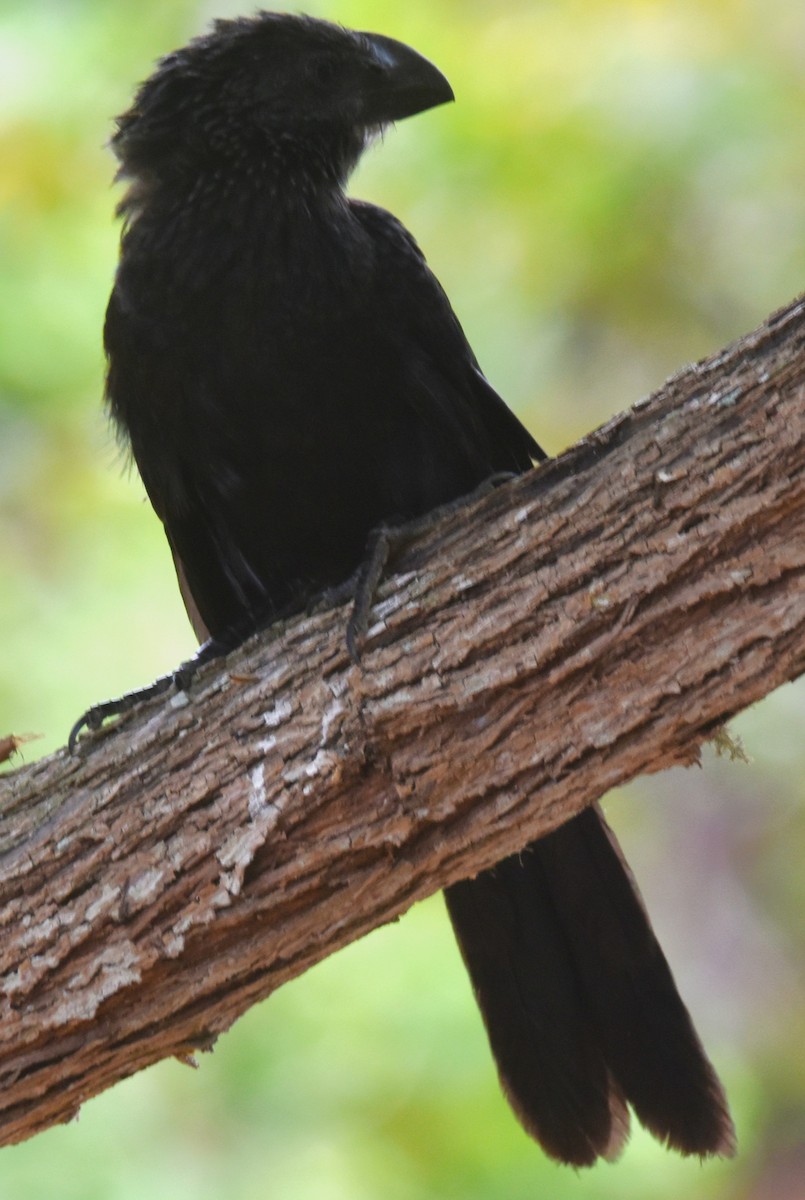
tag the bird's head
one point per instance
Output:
(255, 85)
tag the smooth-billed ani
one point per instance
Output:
(290, 375)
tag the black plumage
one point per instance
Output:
(290, 375)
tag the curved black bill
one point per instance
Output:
(402, 82)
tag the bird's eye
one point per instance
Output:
(324, 71)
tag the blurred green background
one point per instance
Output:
(619, 189)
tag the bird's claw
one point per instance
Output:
(178, 680)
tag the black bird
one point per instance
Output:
(290, 375)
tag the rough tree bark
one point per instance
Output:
(598, 618)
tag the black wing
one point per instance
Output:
(293, 420)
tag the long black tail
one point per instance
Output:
(579, 1003)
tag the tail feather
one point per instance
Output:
(579, 1003)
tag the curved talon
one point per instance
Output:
(180, 679)
(369, 576)
(94, 717)
(85, 719)
(354, 635)
(385, 540)
(92, 720)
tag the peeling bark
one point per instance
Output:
(595, 619)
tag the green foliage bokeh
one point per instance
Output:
(618, 190)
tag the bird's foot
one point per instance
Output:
(384, 542)
(178, 680)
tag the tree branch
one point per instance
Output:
(595, 619)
